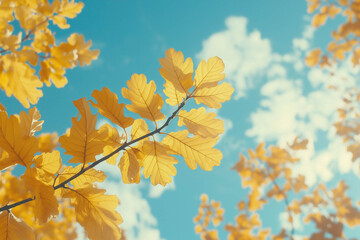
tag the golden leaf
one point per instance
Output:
(48, 142)
(21, 150)
(109, 107)
(209, 73)
(14, 228)
(83, 52)
(143, 99)
(313, 58)
(195, 150)
(139, 129)
(30, 122)
(130, 166)
(49, 162)
(112, 141)
(200, 123)
(83, 141)
(18, 79)
(177, 74)
(214, 96)
(95, 211)
(158, 163)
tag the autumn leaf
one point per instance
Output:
(83, 53)
(214, 96)
(18, 79)
(95, 211)
(20, 150)
(200, 123)
(48, 162)
(143, 99)
(112, 141)
(313, 58)
(83, 141)
(158, 163)
(14, 228)
(130, 166)
(30, 122)
(46, 204)
(209, 73)
(195, 150)
(109, 107)
(139, 129)
(177, 75)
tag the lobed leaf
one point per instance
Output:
(143, 99)
(195, 150)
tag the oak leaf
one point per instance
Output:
(177, 74)
(20, 150)
(14, 228)
(200, 123)
(214, 96)
(143, 99)
(95, 211)
(195, 150)
(158, 163)
(83, 141)
(109, 107)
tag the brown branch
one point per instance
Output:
(122, 147)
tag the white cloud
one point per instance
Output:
(158, 190)
(290, 106)
(245, 54)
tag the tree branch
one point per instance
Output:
(122, 147)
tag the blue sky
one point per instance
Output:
(263, 44)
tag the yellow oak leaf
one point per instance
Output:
(174, 96)
(319, 19)
(158, 163)
(30, 122)
(21, 150)
(209, 73)
(200, 123)
(49, 162)
(109, 107)
(46, 204)
(112, 140)
(48, 142)
(43, 40)
(130, 166)
(313, 58)
(95, 211)
(177, 74)
(87, 178)
(214, 96)
(195, 150)
(14, 228)
(83, 141)
(143, 99)
(70, 9)
(83, 54)
(28, 54)
(139, 129)
(19, 79)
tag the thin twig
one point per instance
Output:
(122, 147)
